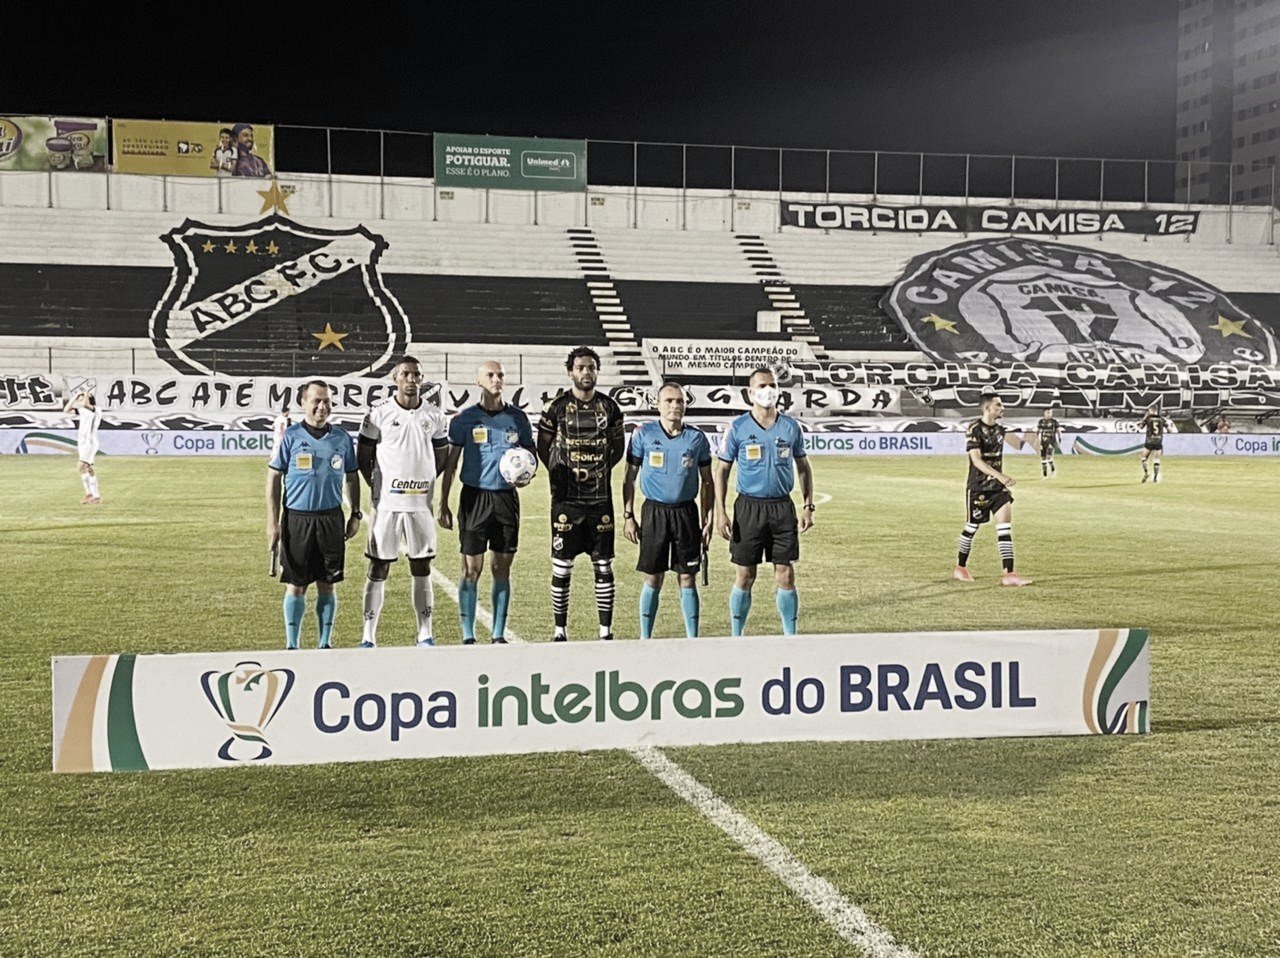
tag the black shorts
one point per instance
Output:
(578, 527)
(488, 519)
(981, 503)
(313, 547)
(1153, 446)
(764, 527)
(1046, 449)
(670, 538)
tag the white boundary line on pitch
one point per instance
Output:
(849, 921)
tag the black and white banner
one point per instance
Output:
(872, 217)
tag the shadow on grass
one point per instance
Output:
(1182, 726)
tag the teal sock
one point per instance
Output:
(648, 609)
(739, 606)
(467, 590)
(295, 607)
(501, 597)
(788, 602)
(691, 606)
(326, 607)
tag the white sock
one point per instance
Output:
(423, 599)
(93, 486)
(84, 481)
(373, 593)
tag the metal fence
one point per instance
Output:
(637, 164)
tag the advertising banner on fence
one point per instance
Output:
(985, 219)
(43, 143)
(133, 713)
(510, 163)
(822, 437)
(181, 148)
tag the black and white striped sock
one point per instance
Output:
(1004, 540)
(561, 573)
(966, 542)
(604, 593)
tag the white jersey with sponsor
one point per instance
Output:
(88, 421)
(405, 467)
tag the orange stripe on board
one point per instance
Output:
(76, 751)
(1107, 639)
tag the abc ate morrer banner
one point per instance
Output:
(133, 713)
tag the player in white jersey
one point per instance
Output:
(278, 426)
(88, 418)
(404, 444)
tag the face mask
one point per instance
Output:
(765, 396)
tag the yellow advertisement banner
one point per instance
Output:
(177, 148)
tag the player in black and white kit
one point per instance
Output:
(1155, 425)
(580, 440)
(1049, 433)
(987, 492)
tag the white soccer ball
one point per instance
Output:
(518, 466)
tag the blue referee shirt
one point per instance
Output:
(763, 456)
(314, 469)
(668, 464)
(484, 437)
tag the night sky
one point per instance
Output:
(1080, 78)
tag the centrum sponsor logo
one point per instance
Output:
(247, 698)
(547, 163)
(609, 696)
(410, 487)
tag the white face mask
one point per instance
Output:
(765, 396)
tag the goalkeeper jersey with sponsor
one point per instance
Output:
(405, 465)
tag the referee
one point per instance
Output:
(311, 462)
(672, 460)
(765, 445)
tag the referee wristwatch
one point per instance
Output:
(356, 514)
(810, 507)
(628, 515)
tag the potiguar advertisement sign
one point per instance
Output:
(510, 163)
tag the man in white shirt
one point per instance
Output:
(88, 419)
(278, 426)
(403, 446)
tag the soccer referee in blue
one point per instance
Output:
(768, 449)
(672, 460)
(312, 462)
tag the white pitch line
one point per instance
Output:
(849, 921)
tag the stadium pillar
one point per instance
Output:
(382, 174)
(635, 185)
(920, 181)
(1271, 220)
(829, 177)
(733, 182)
(684, 188)
(328, 162)
(1146, 182)
(1102, 181)
(1057, 178)
(875, 177)
(966, 179)
(779, 189)
(1013, 179)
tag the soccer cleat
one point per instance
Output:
(607, 638)
(559, 638)
(366, 644)
(426, 643)
(470, 641)
(1145, 477)
(961, 574)
(1156, 479)
(95, 501)
(291, 647)
(86, 500)
(498, 640)
(1012, 578)
(327, 645)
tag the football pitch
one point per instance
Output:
(1167, 844)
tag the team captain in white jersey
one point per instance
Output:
(404, 443)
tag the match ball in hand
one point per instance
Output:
(518, 466)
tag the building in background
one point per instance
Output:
(1228, 100)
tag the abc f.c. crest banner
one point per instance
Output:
(132, 713)
(1014, 300)
(241, 295)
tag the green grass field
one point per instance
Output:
(1167, 844)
